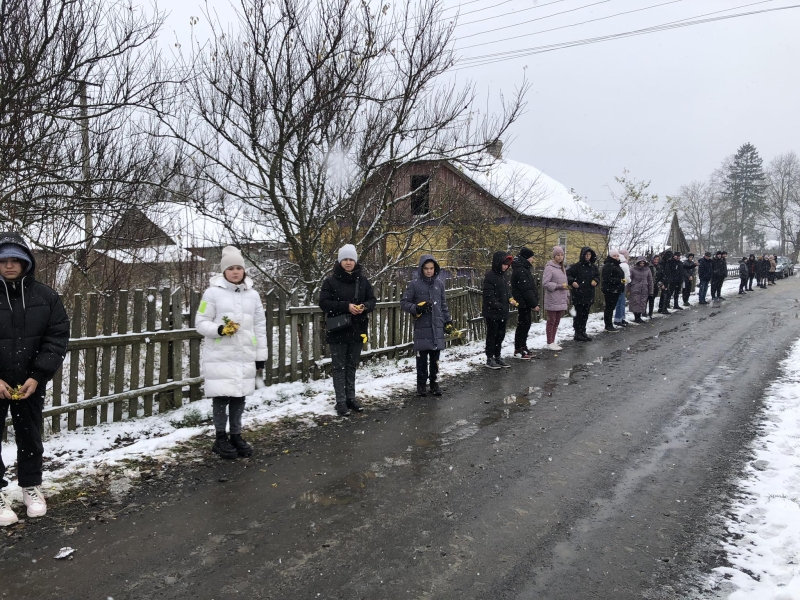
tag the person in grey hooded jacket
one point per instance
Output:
(641, 288)
(425, 300)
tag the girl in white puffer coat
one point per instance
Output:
(231, 319)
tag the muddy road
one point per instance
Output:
(596, 473)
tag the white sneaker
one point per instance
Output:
(34, 500)
(554, 347)
(7, 516)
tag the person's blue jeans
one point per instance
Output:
(619, 311)
(702, 289)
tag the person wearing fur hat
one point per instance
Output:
(232, 322)
(526, 294)
(347, 291)
(556, 297)
(34, 331)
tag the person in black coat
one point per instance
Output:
(705, 270)
(674, 272)
(347, 292)
(583, 278)
(657, 272)
(613, 285)
(689, 267)
(34, 331)
(667, 275)
(720, 272)
(743, 275)
(496, 308)
(525, 292)
(751, 271)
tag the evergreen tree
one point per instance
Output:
(744, 196)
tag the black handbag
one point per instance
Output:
(340, 322)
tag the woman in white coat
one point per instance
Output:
(231, 319)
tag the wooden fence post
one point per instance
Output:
(150, 350)
(194, 349)
(121, 351)
(177, 347)
(90, 381)
(74, 361)
(136, 351)
(165, 368)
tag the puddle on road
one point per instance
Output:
(341, 493)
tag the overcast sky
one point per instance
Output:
(668, 106)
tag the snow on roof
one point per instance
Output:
(527, 190)
(152, 254)
(191, 228)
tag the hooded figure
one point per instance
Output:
(34, 331)
(613, 285)
(641, 287)
(525, 292)
(426, 301)
(496, 308)
(583, 277)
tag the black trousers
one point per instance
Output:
(742, 284)
(687, 291)
(26, 416)
(427, 365)
(716, 287)
(750, 282)
(523, 328)
(651, 302)
(675, 289)
(663, 302)
(344, 362)
(611, 305)
(495, 334)
(581, 317)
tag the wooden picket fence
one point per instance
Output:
(137, 353)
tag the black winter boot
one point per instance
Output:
(223, 447)
(421, 389)
(242, 448)
(638, 318)
(435, 389)
(341, 409)
(354, 405)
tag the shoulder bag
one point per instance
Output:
(341, 322)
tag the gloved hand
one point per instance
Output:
(364, 338)
(449, 328)
(229, 328)
(424, 308)
(513, 302)
(260, 364)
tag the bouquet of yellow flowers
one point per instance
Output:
(16, 393)
(230, 327)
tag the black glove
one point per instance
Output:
(260, 364)
(219, 330)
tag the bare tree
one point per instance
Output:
(75, 145)
(641, 216)
(699, 212)
(305, 117)
(783, 199)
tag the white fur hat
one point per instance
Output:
(348, 251)
(231, 257)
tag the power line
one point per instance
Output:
(516, 12)
(637, 32)
(627, 12)
(563, 12)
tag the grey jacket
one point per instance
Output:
(429, 326)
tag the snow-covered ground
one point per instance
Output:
(85, 451)
(764, 543)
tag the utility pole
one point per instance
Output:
(87, 187)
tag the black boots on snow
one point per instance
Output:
(421, 389)
(341, 409)
(223, 446)
(435, 389)
(242, 448)
(354, 405)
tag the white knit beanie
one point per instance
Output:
(231, 257)
(348, 251)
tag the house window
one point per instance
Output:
(562, 241)
(420, 199)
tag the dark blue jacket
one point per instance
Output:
(496, 292)
(429, 326)
(706, 269)
(613, 275)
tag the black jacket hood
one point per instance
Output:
(498, 258)
(584, 250)
(429, 258)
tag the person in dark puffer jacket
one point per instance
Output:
(689, 268)
(705, 271)
(666, 281)
(719, 272)
(347, 291)
(496, 308)
(426, 301)
(34, 331)
(613, 285)
(583, 278)
(526, 294)
(656, 271)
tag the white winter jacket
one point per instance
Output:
(229, 362)
(626, 268)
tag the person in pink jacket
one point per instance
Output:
(556, 296)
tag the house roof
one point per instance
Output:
(527, 190)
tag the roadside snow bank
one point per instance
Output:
(764, 543)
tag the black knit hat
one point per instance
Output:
(525, 253)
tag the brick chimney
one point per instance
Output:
(496, 149)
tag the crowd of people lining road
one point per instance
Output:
(34, 328)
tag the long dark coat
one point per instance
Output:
(613, 275)
(523, 283)
(584, 273)
(496, 292)
(641, 287)
(337, 293)
(429, 326)
(34, 327)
